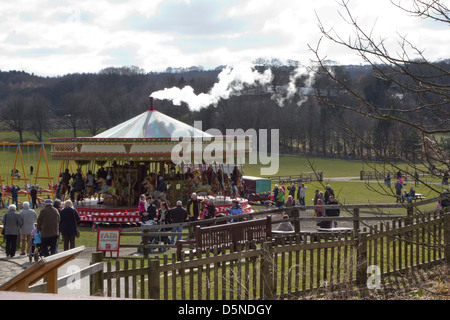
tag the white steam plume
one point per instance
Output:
(301, 71)
(232, 80)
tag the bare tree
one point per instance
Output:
(72, 111)
(405, 80)
(38, 112)
(14, 114)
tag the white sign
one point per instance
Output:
(108, 240)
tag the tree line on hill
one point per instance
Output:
(307, 121)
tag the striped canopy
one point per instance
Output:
(152, 124)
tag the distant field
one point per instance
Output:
(351, 191)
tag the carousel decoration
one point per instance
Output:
(135, 157)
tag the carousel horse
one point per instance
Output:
(200, 188)
(106, 191)
(215, 185)
(148, 185)
(204, 177)
(161, 196)
(227, 184)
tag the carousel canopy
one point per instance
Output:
(151, 124)
(146, 137)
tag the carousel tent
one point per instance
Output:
(151, 124)
(148, 137)
(143, 146)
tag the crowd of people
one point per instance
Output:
(40, 234)
(296, 196)
(125, 182)
(154, 211)
(58, 221)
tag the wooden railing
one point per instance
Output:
(349, 213)
(303, 177)
(297, 265)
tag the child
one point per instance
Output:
(142, 203)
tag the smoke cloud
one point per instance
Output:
(304, 73)
(232, 81)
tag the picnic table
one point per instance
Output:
(419, 196)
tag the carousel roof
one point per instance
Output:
(151, 124)
(146, 137)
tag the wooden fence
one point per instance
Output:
(354, 216)
(293, 266)
(380, 175)
(303, 177)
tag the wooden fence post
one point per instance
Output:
(447, 237)
(267, 270)
(409, 214)
(361, 259)
(145, 240)
(96, 280)
(356, 222)
(153, 279)
(296, 216)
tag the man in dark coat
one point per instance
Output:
(48, 224)
(398, 190)
(194, 206)
(15, 195)
(332, 212)
(33, 194)
(328, 193)
(177, 215)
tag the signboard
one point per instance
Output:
(108, 240)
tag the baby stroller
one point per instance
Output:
(36, 248)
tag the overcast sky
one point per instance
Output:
(56, 37)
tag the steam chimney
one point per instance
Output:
(151, 104)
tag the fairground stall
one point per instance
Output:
(156, 155)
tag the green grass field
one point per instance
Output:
(350, 190)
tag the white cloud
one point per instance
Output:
(54, 37)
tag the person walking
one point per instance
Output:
(194, 207)
(332, 212)
(33, 194)
(302, 194)
(29, 218)
(291, 189)
(177, 215)
(210, 211)
(398, 190)
(163, 218)
(48, 224)
(12, 222)
(280, 198)
(316, 196)
(15, 195)
(68, 225)
(328, 193)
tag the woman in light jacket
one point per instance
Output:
(29, 218)
(12, 222)
(69, 224)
